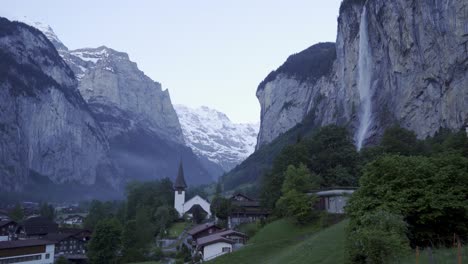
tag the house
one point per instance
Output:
(219, 243)
(7, 230)
(82, 234)
(36, 227)
(66, 244)
(203, 230)
(4, 215)
(73, 220)
(180, 204)
(245, 210)
(333, 200)
(31, 251)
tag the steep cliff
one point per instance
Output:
(46, 127)
(396, 62)
(137, 116)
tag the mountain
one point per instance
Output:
(47, 131)
(81, 123)
(394, 62)
(212, 135)
(136, 114)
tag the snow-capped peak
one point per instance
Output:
(45, 29)
(211, 134)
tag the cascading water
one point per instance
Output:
(364, 81)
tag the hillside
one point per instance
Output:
(283, 242)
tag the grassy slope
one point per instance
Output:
(176, 229)
(282, 242)
(440, 256)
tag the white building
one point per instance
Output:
(335, 200)
(220, 243)
(30, 251)
(180, 204)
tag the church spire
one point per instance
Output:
(179, 183)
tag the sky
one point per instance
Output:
(206, 52)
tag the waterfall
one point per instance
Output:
(364, 81)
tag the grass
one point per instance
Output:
(176, 229)
(440, 256)
(283, 242)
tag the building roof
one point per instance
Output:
(336, 192)
(208, 240)
(57, 237)
(235, 197)
(73, 231)
(200, 228)
(6, 222)
(219, 237)
(180, 180)
(230, 232)
(39, 226)
(23, 243)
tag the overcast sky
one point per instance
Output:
(206, 52)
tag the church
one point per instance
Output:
(180, 204)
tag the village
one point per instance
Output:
(40, 239)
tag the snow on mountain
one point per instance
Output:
(211, 134)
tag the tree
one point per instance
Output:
(295, 201)
(429, 192)
(333, 156)
(198, 213)
(105, 242)
(397, 140)
(377, 238)
(130, 251)
(272, 181)
(47, 210)
(221, 207)
(17, 214)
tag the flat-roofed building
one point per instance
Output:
(30, 251)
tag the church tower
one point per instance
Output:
(179, 190)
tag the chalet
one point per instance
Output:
(245, 210)
(82, 234)
(66, 244)
(4, 215)
(333, 200)
(7, 230)
(203, 230)
(36, 227)
(219, 243)
(29, 251)
(73, 220)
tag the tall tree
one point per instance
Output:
(17, 214)
(47, 210)
(105, 243)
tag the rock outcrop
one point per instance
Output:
(46, 127)
(137, 116)
(418, 73)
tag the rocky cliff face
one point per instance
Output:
(396, 62)
(212, 135)
(137, 116)
(46, 127)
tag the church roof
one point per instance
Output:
(180, 180)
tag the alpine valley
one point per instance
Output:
(90, 117)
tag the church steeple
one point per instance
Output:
(179, 183)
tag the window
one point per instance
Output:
(226, 249)
(47, 256)
(20, 259)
